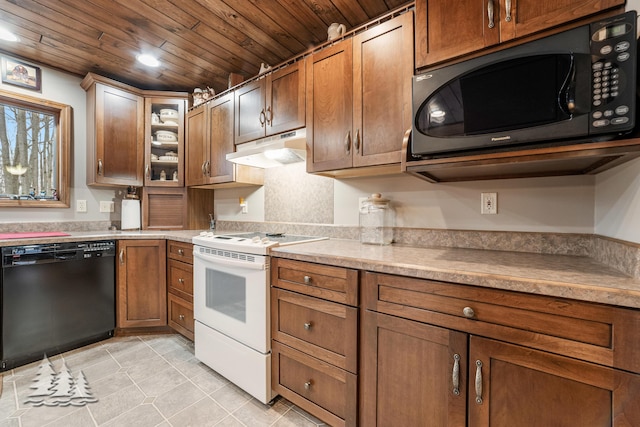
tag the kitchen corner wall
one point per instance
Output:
(65, 88)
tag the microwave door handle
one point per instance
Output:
(230, 262)
(576, 94)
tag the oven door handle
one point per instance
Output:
(230, 262)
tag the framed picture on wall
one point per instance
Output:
(18, 73)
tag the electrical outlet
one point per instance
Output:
(489, 203)
(106, 206)
(81, 205)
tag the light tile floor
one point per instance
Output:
(147, 380)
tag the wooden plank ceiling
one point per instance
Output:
(199, 42)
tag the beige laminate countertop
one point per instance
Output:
(565, 276)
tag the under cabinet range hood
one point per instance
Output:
(277, 150)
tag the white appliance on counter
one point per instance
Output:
(231, 305)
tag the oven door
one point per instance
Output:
(231, 295)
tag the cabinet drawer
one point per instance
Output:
(321, 389)
(180, 279)
(327, 330)
(578, 329)
(181, 316)
(323, 281)
(180, 250)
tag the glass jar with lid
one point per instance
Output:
(377, 220)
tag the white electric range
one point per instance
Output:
(231, 304)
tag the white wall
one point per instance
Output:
(64, 88)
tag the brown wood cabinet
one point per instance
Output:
(446, 30)
(115, 133)
(180, 287)
(271, 105)
(141, 283)
(210, 129)
(164, 208)
(359, 99)
(456, 355)
(314, 331)
(164, 141)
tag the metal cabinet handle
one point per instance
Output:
(181, 316)
(347, 142)
(99, 167)
(180, 280)
(202, 168)
(468, 312)
(479, 382)
(207, 168)
(507, 5)
(121, 256)
(263, 118)
(269, 115)
(308, 385)
(490, 13)
(307, 280)
(308, 325)
(147, 171)
(180, 251)
(456, 374)
(356, 141)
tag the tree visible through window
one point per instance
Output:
(28, 154)
(34, 152)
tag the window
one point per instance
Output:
(35, 141)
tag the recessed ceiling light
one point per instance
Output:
(148, 60)
(8, 35)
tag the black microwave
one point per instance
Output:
(575, 86)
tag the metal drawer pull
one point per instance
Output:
(263, 118)
(307, 280)
(308, 325)
(507, 5)
(456, 374)
(479, 382)
(121, 256)
(181, 316)
(347, 142)
(468, 312)
(180, 280)
(490, 13)
(308, 385)
(180, 252)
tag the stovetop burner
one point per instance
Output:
(252, 242)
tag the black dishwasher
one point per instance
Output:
(55, 297)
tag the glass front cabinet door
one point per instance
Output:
(164, 142)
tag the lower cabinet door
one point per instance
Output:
(181, 315)
(321, 389)
(412, 374)
(518, 386)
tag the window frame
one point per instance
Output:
(63, 113)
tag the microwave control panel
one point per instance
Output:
(613, 66)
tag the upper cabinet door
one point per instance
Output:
(251, 116)
(446, 29)
(118, 137)
(524, 17)
(285, 102)
(382, 70)
(220, 112)
(197, 146)
(329, 108)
